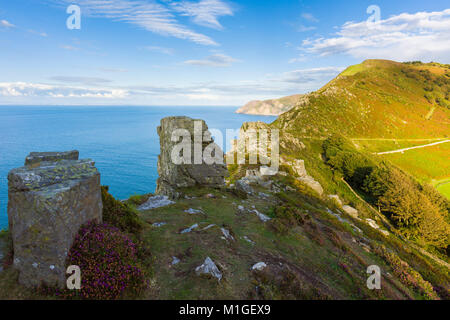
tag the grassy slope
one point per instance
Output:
(382, 105)
(325, 259)
(427, 164)
(377, 99)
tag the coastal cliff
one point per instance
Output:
(273, 107)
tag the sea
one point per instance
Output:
(121, 140)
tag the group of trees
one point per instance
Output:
(418, 211)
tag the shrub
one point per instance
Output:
(406, 274)
(119, 214)
(286, 218)
(108, 262)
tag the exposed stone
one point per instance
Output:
(373, 224)
(249, 240)
(187, 230)
(313, 184)
(175, 261)
(244, 186)
(48, 203)
(36, 157)
(193, 211)
(208, 227)
(350, 211)
(385, 232)
(262, 216)
(298, 166)
(159, 224)
(173, 176)
(335, 197)
(155, 202)
(259, 266)
(209, 268)
(226, 233)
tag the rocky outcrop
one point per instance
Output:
(299, 169)
(189, 173)
(209, 268)
(49, 199)
(36, 157)
(350, 211)
(155, 202)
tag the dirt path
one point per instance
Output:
(411, 148)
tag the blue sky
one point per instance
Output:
(202, 52)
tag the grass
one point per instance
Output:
(376, 99)
(426, 164)
(444, 188)
(375, 146)
(352, 70)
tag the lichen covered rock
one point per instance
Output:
(48, 201)
(197, 141)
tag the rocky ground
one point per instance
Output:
(213, 244)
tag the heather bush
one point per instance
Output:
(108, 260)
(406, 274)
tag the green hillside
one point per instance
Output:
(378, 99)
(383, 106)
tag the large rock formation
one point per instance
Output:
(189, 172)
(49, 199)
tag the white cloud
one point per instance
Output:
(148, 15)
(309, 17)
(215, 60)
(419, 36)
(312, 75)
(80, 80)
(87, 90)
(69, 47)
(204, 12)
(41, 34)
(24, 89)
(163, 50)
(303, 28)
(6, 24)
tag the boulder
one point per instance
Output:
(335, 198)
(313, 184)
(187, 230)
(227, 235)
(298, 166)
(299, 169)
(187, 173)
(262, 216)
(259, 266)
(373, 224)
(209, 268)
(49, 199)
(155, 202)
(244, 186)
(350, 211)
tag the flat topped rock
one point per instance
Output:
(50, 173)
(48, 200)
(37, 157)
